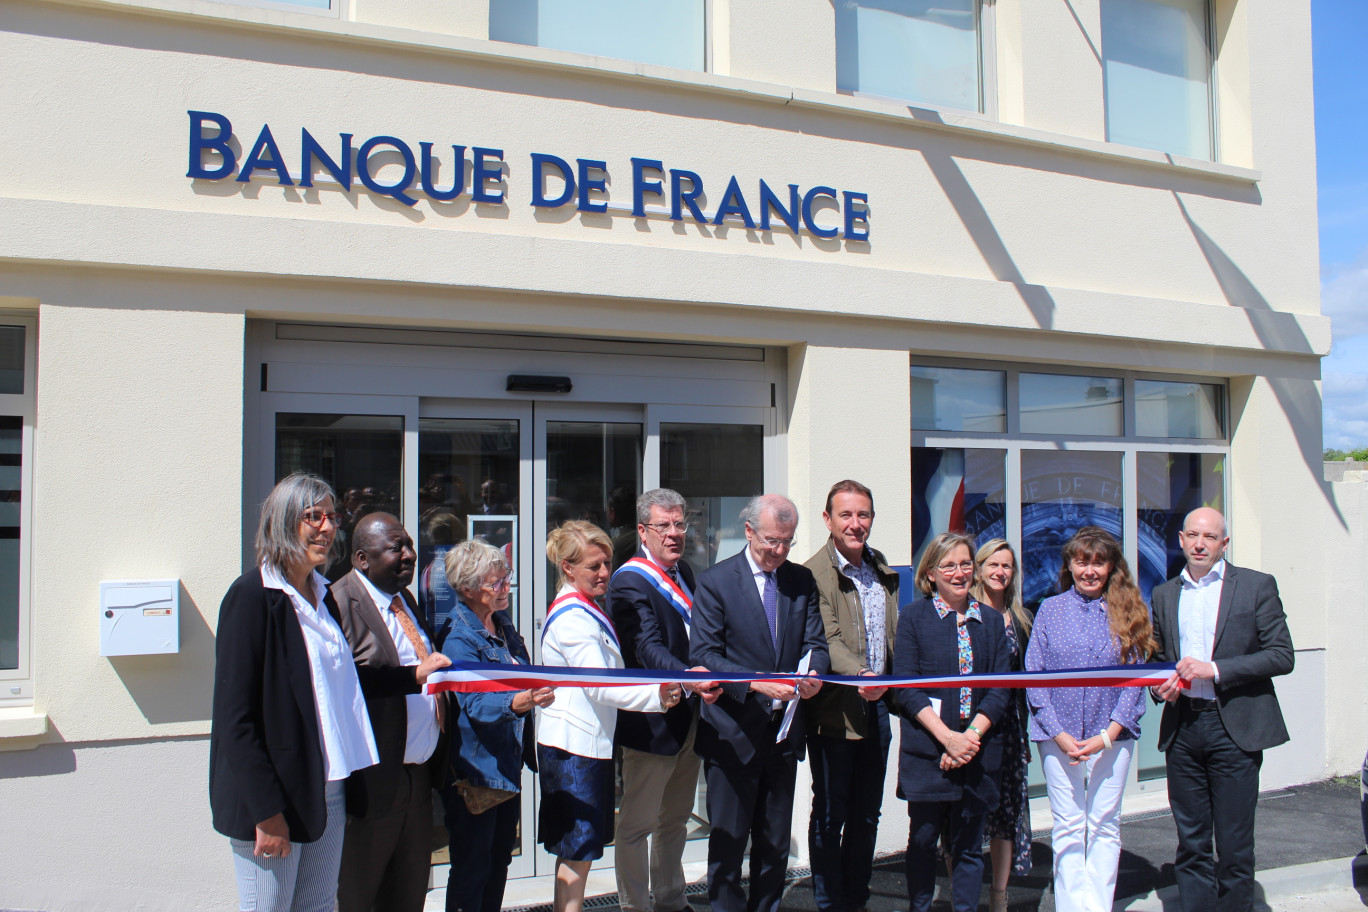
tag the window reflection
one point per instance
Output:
(1071, 406)
(1157, 70)
(12, 359)
(1165, 408)
(593, 472)
(361, 456)
(718, 468)
(922, 51)
(959, 399)
(663, 32)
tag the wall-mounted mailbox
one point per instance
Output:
(139, 617)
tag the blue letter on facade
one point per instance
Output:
(265, 155)
(733, 203)
(812, 226)
(853, 215)
(395, 190)
(539, 198)
(641, 186)
(216, 144)
(589, 184)
(457, 179)
(481, 172)
(311, 151)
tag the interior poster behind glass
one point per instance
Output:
(1170, 486)
(957, 490)
(1061, 492)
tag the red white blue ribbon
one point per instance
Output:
(571, 601)
(470, 677)
(660, 581)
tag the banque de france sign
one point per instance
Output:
(585, 183)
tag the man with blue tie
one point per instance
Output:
(755, 612)
(651, 600)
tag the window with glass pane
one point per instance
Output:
(1157, 71)
(593, 472)
(11, 501)
(1169, 487)
(1165, 408)
(1071, 406)
(12, 359)
(959, 399)
(468, 486)
(665, 32)
(361, 456)
(921, 51)
(718, 468)
(1061, 492)
(957, 490)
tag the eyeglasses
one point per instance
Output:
(505, 582)
(315, 518)
(664, 528)
(949, 568)
(774, 544)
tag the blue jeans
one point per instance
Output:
(303, 881)
(847, 794)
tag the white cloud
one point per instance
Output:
(1344, 392)
(1344, 298)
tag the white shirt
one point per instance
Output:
(759, 575)
(1198, 603)
(423, 733)
(343, 725)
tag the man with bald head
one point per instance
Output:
(754, 612)
(1224, 627)
(386, 851)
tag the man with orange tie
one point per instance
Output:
(386, 852)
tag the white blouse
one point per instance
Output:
(343, 724)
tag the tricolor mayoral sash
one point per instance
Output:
(574, 600)
(660, 581)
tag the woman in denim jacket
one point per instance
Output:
(493, 732)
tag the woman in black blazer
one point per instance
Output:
(289, 722)
(949, 762)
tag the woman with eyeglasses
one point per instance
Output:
(950, 757)
(493, 736)
(290, 722)
(1086, 735)
(575, 735)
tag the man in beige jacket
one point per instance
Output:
(848, 728)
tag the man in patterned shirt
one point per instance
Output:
(848, 728)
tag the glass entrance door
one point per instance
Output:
(510, 472)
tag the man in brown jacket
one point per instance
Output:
(848, 728)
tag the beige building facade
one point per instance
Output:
(1052, 275)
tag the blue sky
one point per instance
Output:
(1339, 28)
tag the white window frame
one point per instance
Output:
(16, 684)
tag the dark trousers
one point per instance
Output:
(481, 848)
(755, 800)
(847, 794)
(927, 822)
(386, 859)
(1213, 789)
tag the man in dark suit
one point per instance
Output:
(651, 600)
(754, 612)
(386, 852)
(1224, 627)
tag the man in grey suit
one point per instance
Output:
(387, 848)
(1224, 627)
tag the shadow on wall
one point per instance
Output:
(45, 755)
(178, 687)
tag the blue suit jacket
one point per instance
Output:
(731, 634)
(653, 635)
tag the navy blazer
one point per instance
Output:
(927, 645)
(731, 634)
(653, 634)
(1252, 646)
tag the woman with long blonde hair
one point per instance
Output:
(997, 584)
(1087, 734)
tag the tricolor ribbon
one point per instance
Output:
(660, 581)
(471, 677)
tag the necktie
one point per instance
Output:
(771, 603)
(673, 573)
(411, 632)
